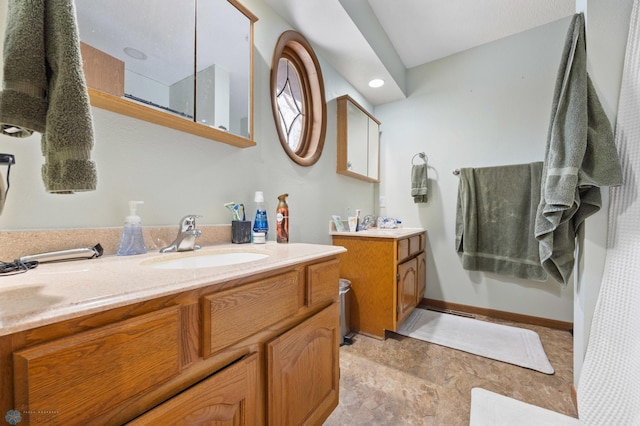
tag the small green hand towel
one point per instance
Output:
(419, 183)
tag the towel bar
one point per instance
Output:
(456, 172)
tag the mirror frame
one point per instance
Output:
(293, 47)
(342, 165)
(132, 109)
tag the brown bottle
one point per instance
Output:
(282, 219)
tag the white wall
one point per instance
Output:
(176, 173)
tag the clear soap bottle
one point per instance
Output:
(132, 241)
(260, 222)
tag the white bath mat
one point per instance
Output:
(513, 345)
(492, 409)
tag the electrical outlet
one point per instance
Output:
(382, 201)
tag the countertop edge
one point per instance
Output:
(40, 284)
(381, 233)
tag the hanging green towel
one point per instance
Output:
(495, 217)
(419, 183)
(580, 157)
(44, 91)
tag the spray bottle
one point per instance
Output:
(282, 219)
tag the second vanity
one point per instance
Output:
(387, 270)
(117, 339)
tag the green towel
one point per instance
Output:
(580, 157)
(495, 218)
(44, 91)
(419, 183)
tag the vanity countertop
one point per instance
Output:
(396, 233)
(54, 292)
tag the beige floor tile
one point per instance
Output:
(404, 381)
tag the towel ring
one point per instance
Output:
(422, 155)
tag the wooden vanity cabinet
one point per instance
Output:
(257, 350)
(388, 279)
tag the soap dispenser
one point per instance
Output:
(132, 241)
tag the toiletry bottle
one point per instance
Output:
(132, 241)
(260, 222)
(282, 219)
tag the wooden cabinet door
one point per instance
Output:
(226, 398)
(407, 288)
(303, 371)
(422, 277)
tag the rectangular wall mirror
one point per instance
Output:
(358, 141)
(184, 64)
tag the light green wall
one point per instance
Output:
(483, 107)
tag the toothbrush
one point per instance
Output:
(233, 209)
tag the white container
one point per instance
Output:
(259, 238)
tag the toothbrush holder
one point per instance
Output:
(240, 231)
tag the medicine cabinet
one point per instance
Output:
(183, 64)
(358, 141)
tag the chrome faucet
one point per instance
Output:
(187, 234)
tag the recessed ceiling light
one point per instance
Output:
(135, 53)
(376, 82)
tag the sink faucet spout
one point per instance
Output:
(187, 234)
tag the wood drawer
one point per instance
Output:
(323, 282)
(416, 244)
(233, 315)
(410, 246)
(78, 377)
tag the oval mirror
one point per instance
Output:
(297, 98)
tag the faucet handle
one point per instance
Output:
(188, 222)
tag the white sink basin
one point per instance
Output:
(207, 260)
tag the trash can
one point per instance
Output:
(345, 303)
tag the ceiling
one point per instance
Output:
(366, 39)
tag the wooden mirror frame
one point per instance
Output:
(126, 107)
(343, 139)
(293, 47)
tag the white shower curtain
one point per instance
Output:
(609, 387)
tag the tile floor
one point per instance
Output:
(403, 381)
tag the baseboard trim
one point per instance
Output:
(509, 316)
